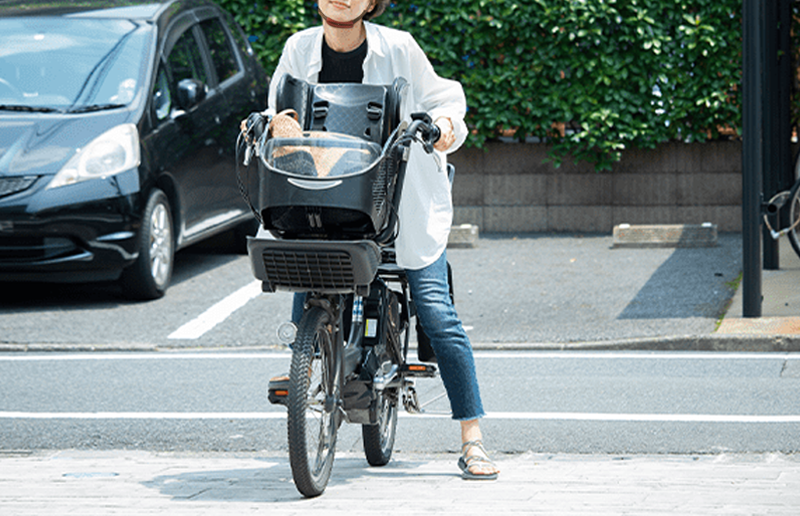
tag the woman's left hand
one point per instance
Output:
(448, 137)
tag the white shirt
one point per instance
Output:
(426, 208)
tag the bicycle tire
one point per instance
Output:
(379, 439)
(794, 215)
(311, 420)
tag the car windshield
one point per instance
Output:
(70, 64)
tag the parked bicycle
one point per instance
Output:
(329, 198)
(778, 202)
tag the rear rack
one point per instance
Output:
(314, 265)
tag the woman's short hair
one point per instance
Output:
(380, 6)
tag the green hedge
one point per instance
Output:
(617, 73)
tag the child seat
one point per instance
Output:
(333, 181)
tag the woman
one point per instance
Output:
(346, 49)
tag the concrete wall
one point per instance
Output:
(506, 187)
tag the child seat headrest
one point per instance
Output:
(366, 111)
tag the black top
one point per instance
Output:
(342, 66)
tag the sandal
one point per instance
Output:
(465, 462)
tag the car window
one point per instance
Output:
(219, 45)
(185, 60)
(162, 98)
(241, 41)
(71, 64)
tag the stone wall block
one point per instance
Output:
(709, 189)
(515, 219)
(468, 189)
(516, 190)
(594, 219)
(644, 189)
(592, 189)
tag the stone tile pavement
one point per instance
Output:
(135, 482)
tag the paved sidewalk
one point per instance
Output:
(132, 482)
(780, 307)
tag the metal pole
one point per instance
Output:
(785, 166)
(770, 105)
(752, 154)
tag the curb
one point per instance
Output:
(62, 347)
(703, 343)
(729, 343)
(667, 235)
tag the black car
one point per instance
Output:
(118, 126)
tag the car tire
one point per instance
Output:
(149, 277)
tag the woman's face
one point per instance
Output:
(345, 10)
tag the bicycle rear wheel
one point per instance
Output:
(312, 421)
(794, 215)
(379, 438)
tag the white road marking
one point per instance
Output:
(639, 355)
(528, 416)
(197, 327)
(269, 354)
(167, 355)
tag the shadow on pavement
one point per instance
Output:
(690, 283)
(273, 482)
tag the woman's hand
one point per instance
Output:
(448, 137)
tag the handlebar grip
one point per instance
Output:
(430, 133)
(256, 123)
(436, 133)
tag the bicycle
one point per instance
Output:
(777, 202)
(329, 198)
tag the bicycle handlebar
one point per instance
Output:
(429, 132)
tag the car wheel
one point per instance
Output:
(150, 275)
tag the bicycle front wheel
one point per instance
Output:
(794, 216)
(312, 421)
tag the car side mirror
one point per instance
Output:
(190, 93)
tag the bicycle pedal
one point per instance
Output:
(278, 392)
(419, 370)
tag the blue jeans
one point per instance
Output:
(437, 315)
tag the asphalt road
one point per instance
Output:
(525, 289)
(546, 402)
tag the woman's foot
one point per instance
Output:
(475, 463)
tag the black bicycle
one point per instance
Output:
(782, 200)
(329, 198)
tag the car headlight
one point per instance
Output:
(115, 151)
